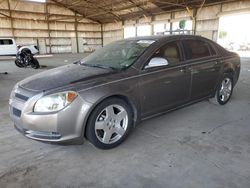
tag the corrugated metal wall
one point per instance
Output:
(207, 20)
(54, 28)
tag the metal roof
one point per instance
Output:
(105, 11)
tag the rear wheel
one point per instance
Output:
(109, 123)
(225, 89)
(35, 63)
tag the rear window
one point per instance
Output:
(195, 49)
(6, 42)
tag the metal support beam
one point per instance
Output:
(63, 5)
(105, 10)
(136, 27)
(194, 20)
(193, 15)
(48, 26)
(76, 33)
(11, 19)
(5, 15)
(171, 23)
(102, 34)
(140, 7)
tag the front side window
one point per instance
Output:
(196, 49)
(6, 42)
(170, 52)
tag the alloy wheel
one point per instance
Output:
(111, 124)
(226, 89)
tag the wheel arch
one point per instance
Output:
(125, 98)
(27, 50)
(229, 71)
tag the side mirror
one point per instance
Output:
(157, 62)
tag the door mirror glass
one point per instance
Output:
(157, 62)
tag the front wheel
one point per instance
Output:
(225, 89)
(18, 63)
(109, 123)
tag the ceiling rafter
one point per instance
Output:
(108, 11)
(117, 9)
(73, 10)
(103, 11)
(148, 13)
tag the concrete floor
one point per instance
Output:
(203, 145)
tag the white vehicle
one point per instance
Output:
(31, 48)
(8, 47)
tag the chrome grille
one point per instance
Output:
(22, 97)
(23, 94)
(18, 100)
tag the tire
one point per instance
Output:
(26, 50)
(34, 63)
(18, 63)
(224, 90)
(109, 123)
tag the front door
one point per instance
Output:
(165, 86)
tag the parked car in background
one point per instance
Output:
(8, 47)
(232, 46)
(104, 95)
(33, 49)
(244, 46)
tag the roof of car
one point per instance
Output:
(158, 37)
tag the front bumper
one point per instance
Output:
(66, 125)
(38, 135)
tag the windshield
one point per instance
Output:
(117, 55)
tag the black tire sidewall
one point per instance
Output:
(18, 64)
(35, 64)
(90, 129)
(227, 75)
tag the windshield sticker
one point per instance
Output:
(145, 42)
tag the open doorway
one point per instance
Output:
(234, 33)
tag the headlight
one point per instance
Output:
(54, 102)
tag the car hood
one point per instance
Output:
(64, 76)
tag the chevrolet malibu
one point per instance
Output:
(103, 96)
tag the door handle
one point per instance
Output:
(167, 82)
(182, 70)
(185, 69)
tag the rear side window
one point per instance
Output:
(6, 42)
(195, 49)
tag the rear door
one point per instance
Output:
(165, 87)
(205, 67)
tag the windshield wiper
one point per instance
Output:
(99, 66)
(78, 62)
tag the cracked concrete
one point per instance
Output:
(203, 145)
